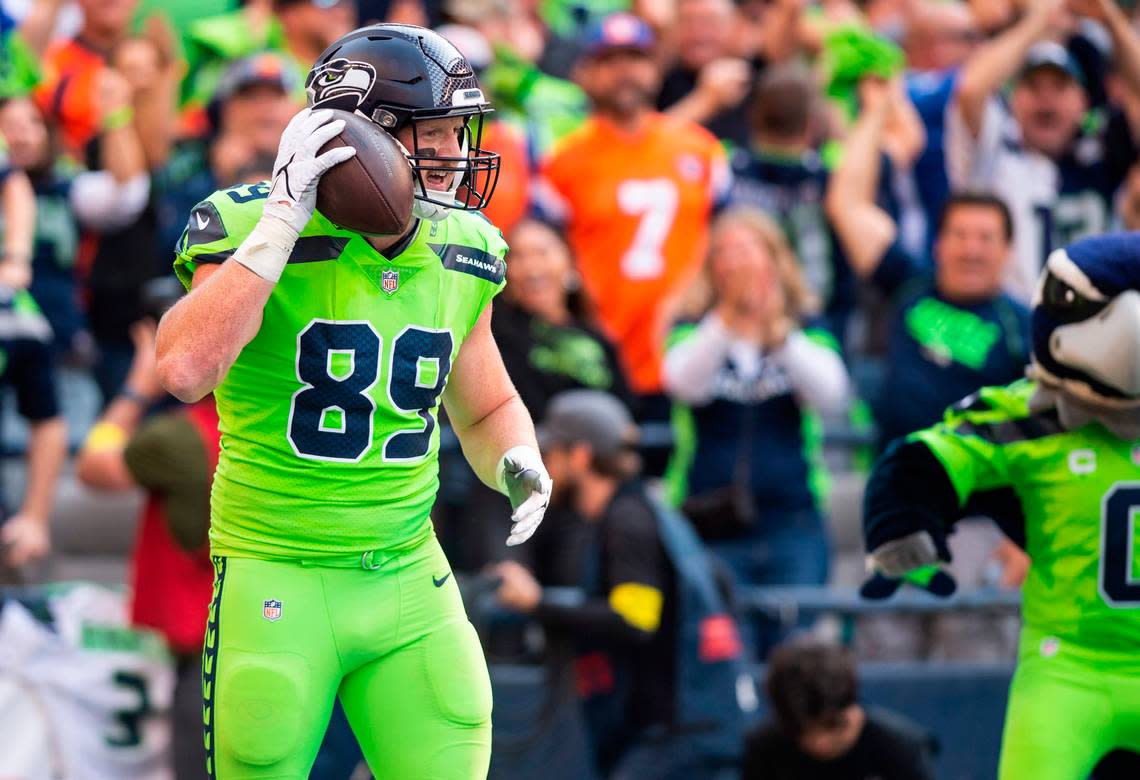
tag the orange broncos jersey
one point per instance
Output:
(69, 93)
(636, 209)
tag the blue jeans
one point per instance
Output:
(785, 548)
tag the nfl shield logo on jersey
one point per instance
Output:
(389, 281)
(271, 610)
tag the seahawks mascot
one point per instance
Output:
(1062, 449)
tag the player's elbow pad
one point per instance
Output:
(908, 491)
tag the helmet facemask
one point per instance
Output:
(473, 173)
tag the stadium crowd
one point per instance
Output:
(751, 243)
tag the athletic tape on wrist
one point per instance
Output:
(267, 248)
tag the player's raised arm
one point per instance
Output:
(201, 336)
(495, 429)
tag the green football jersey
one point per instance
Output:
(1080, 494)
(328, 416)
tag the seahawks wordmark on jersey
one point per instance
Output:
(82, 695)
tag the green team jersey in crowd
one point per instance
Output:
(1080, 494)
(328, 416)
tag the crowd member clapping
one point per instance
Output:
(1058, 177)
(953, 331)
(749, 374)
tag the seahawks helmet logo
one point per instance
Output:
(340, 82)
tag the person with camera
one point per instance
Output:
(749, 378)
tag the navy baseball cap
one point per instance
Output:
(618, 31)
(1050, 54)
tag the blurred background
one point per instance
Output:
(781, 233)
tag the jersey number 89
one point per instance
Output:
(331, 417)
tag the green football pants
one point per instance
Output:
(387, 634)
(1067, 710)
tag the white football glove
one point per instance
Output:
(523, 478)
(293, 193)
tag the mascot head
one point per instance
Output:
(1086, 322)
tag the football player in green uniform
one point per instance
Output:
(329, 353)
(1064, 448)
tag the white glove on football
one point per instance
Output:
(523, 478)
(293, 193)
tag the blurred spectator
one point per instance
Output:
(64, 198)
(20, 51)
(310, 26)
(952, 331)
(636, 189)
(939, 38)
(780, 173)
(710, 82)
(517, 25)
(547, 350)
(72, 91)
(545, 347)
(125, 254)
(212, 44)
(745, 468)
(151, 67)
(625, 629)
(1058, 175)
(172, 456)
(820, 730)
(512, 131)
(640, 673)
(250, 109)
(28, 369)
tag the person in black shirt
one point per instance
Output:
(545, 347)
(820, 731)
(624, 631)
(709, 83)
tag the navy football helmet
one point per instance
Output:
(400, 74)
(1086, 321)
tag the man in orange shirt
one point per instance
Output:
(69, 93)
(635, 189)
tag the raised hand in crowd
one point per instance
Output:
(18, 213)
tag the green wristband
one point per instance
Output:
(118, 118)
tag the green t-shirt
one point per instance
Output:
(1080, 493)
(328, 416)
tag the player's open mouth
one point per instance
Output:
(438, 181)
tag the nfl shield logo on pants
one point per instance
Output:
(389, 281)
(271, 610)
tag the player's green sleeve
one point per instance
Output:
(216, 227)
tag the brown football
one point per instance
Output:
(372, 191)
